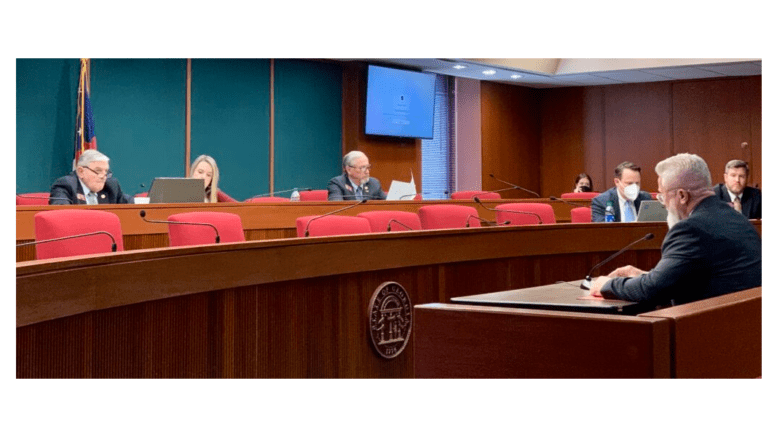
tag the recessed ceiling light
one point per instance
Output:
(459, 67)
(489, 72)
(516, 76)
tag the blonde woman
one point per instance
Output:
(205, 168)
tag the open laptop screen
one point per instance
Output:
(176, 190)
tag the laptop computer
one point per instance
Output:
(176, 190)
(651, 211)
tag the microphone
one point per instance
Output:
(353, 205)
(113, 240)
(513, 185)
(586, 284)
(539, 219)
(482, 220)
(272, 193)
(388, 228)
(427, 192)
(143, 216)
(142, 187)
(44, 198)
(568, 202)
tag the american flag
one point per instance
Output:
(85, 138)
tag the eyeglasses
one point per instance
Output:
(362, 168)
(661, 197)
(106, 173)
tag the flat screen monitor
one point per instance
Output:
(400, 103)
(176, 190)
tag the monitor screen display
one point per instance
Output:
(400, 103)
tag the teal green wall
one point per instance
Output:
(139, 110)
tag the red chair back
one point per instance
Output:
(229, 225)
(313, 196)
(268, 199)
(654, 195)
(588, 195)
(447, 216)
(33, 199)
(581, 215)
(67, 222)
(379, 220)
(468, 195)
(144, 194)
(543, 210)
(332, 225)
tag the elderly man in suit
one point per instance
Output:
(735, 191)
(625, 195)
(355, 183)
(710, 249)
(91, 183)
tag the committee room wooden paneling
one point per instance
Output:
(713, 119)
(391, 158)
(510, 138)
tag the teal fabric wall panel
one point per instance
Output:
(231, 121)
(45, 121)
(308, 123)
(139, 115)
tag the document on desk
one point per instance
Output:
(402, 190)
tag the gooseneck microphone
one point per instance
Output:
(388, 228)
(113, 240)
(568, 202)
(534, 214)
(353, 205)
(586, 284)
(22, 196)
(445, 193)
(482, 220)
(143, 216)
(514, 186)
(272, 193)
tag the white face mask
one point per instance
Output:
(631, 192)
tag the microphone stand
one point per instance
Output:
(307, 226)
(113, 245)
(143, 216)
(539, 219)
(515, 186)
(586, 284)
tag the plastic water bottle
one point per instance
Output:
(295, 196)
(609, 213)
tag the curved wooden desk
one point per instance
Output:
(279, 308)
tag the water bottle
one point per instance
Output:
(609, 213)
(295, 196)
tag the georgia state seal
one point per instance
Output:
(390, 321)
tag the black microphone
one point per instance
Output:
(307, 227)
(388, 228)
(143, 216)
(586, 284)
(568, 202)
(272, 193)
(514, 186)
(113, 245)
(142, 187)
(482, 220)
(539, 219)
(44, 198)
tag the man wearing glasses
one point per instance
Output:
(92, 183)
(710, 248)
(355, 183)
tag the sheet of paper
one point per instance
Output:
(402, 190)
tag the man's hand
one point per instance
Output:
(596, 286)
(626, 272)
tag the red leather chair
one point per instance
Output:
(145, 194)
(543, 210)
(332, 225)
(581, 215)
(588, 195)
(268, 199)
(67, 222)
(447, 216)
(313, 195)
(654, 195)
(468, 195)
(32, 199)
(379, 220)
(229, 225)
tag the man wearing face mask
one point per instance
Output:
(625, 196)
(710, 248)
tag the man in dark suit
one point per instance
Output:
(710, 249)
(736, 193)
(91, 183)
(355, 183)
(625, 195)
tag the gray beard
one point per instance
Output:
(672, 218)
